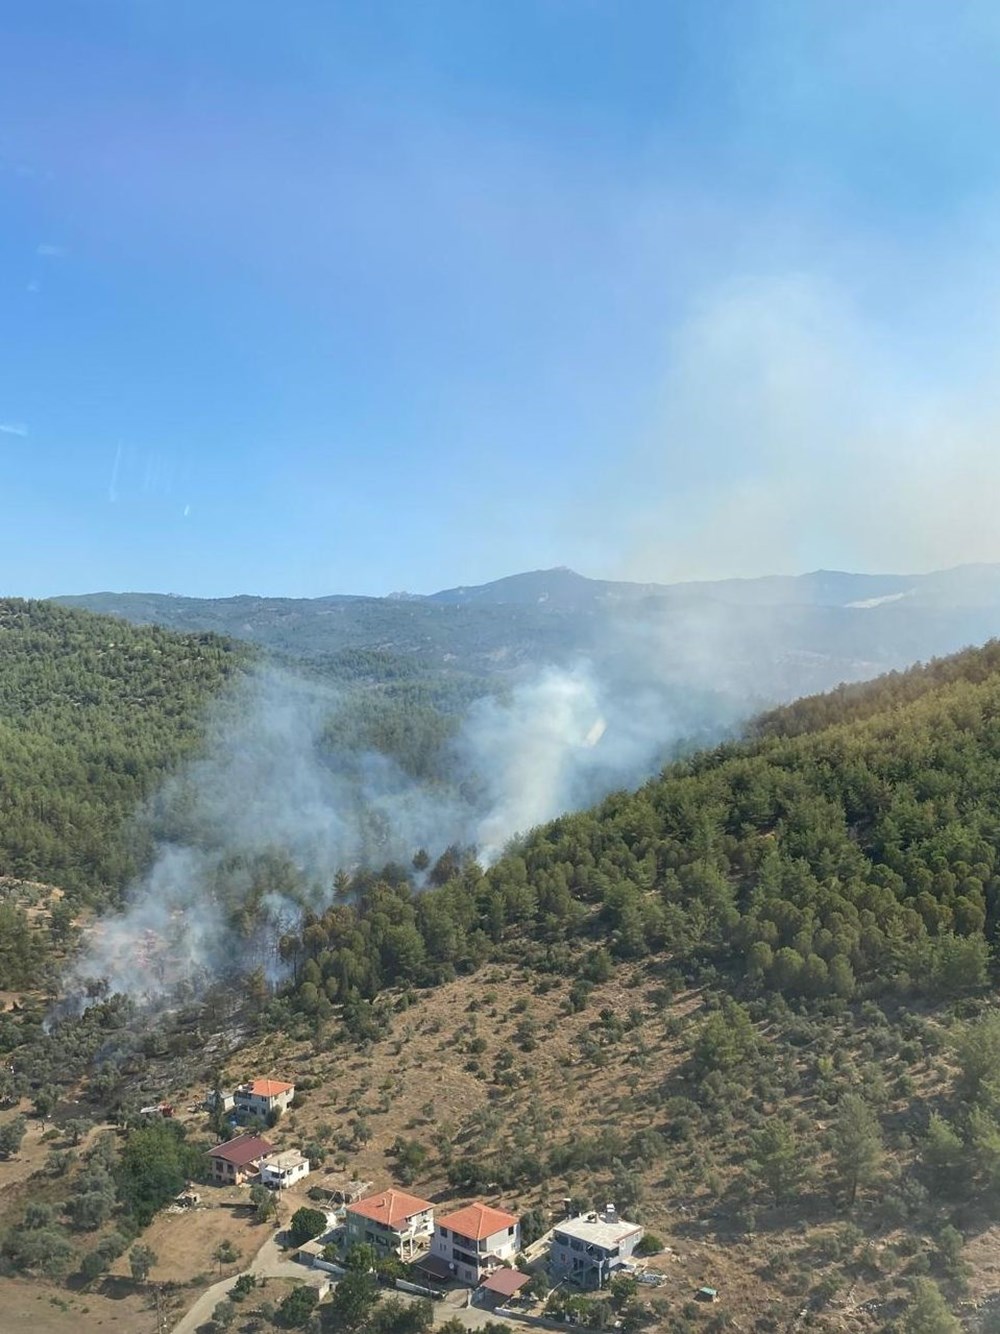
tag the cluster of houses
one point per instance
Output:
(252, 1157)
(475, 1245)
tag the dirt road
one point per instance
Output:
(270, 1262)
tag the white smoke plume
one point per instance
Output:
(257, 829)
(558, 744)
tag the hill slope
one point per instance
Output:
(93, 712)
(752, 1003)
(858, 854)
(774, 1032)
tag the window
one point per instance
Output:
(444, 1232)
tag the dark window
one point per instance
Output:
(444, 1232)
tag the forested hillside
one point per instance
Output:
(773, 1032)
(857, 858)
(93, 712)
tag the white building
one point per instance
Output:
(217, 1100)
(391, 1221)
(261, 1097)
(586, 1250)
(475, 1240)
(283, 1169)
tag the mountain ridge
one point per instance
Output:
(557, 585)
(774, 637)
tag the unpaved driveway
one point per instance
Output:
(269, 1262)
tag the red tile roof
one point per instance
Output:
(478, 1221)
(506, 1282)
(242, 1150)
(267, 1088)
(391, 1208)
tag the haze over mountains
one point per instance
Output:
(774, 637)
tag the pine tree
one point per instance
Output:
(856, 1144)
(928, 1312)
(777, 1159)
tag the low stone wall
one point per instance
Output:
(328, 1266)
(404, 1286)
(541, 1321)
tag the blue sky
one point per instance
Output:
(360, 296)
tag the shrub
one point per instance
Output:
(297, 1308)
(306, 1224)
(242, 1288)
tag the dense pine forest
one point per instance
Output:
(847, 847)
(93, 713)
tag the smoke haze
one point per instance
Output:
(257, 828)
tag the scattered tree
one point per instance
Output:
(11, 1136)
(140, 1261)
(927, 1312)
(776, 1159)
(856, 1143)
(226, 1253)
(297, 1308)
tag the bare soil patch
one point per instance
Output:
(184, 1241)
(46, 1309)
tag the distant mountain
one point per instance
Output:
(768, 638)
(564, 589)
(558, 589)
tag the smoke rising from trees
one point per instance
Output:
(254, 831)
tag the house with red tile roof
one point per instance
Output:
(263, 1097)
(236, 1160)
(476, 1240)
(392, 1220)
